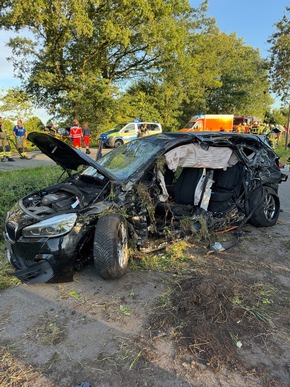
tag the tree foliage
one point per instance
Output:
(277, 116)
(280, 58)
(221, 76)
(34, 124)
(16, 104)
(107, 61)
(83, 48)
(244, 79)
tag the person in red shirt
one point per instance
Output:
(76, 134)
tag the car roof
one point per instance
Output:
(225, 138)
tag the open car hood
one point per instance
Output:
(65, 155)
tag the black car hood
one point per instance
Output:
(65, 155)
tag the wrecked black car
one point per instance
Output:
(143, 194)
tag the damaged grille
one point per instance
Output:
(11, 229)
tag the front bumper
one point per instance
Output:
(110, 142)
(36, 273)
(42, 260)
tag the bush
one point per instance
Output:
(283, 153)
(20, 182)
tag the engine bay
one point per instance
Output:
(62, 197)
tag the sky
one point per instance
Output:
(7, 79)
(252, 20)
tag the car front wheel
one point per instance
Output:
(111, 246)
(267, 212)
(118, 143)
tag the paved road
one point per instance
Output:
(284, 190)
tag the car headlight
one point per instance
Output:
(52, 227)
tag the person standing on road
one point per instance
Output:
(5, 150)
(144, 130)
(87, 137)
(20, 134)
(76, 134)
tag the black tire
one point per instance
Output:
(111, 246)
(118, 143)
(267, 212)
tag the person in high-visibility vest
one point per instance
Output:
(76, 134)
(5, 150)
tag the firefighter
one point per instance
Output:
(261, 129)
(241, 128)
(20, 134)
(76, 134)
(255, 129)
(5, 150)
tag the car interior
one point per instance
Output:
(204, 181)
(225, 187)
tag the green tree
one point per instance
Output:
(277, 116)
(115, 60)
(178, 83)
(218, 75)
(151, 101)
(16, 104)
(280, 63)
(79, 51)
(280, 58)
(34, 124)
(234, 77)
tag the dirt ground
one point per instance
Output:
(223, 320)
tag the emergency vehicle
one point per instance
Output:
(209, 122)
(247, 124)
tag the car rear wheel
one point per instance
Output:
(111, 246)
(118, 143)
(267, 212)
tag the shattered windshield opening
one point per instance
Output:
(126, 160)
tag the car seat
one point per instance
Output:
(181, 193)
(226, 188)
(184, 188)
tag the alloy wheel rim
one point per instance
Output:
(122, 247)
(269, 207)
